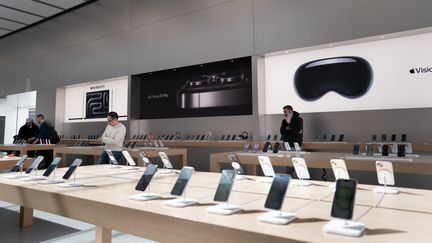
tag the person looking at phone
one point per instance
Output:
(29, 131)
(292, 126)
(113, 138)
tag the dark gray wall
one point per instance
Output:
(112, 38)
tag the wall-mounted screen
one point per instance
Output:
(92, 101)
(212, 89)
(391, 73)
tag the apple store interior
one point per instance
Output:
(215, 121)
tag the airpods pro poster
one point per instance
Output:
(383, 74)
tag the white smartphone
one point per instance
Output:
(266, 166)
(297, 147)
(129, 158)
(111, 157)
(301, 168)
(339, 168)
(385, 173)
(165, 160)
(287, 146)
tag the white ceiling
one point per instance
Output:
(17, 14)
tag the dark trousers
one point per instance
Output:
(104, 159)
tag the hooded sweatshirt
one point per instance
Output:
(292, 132)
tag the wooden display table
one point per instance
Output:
(104, 202)
(6, 163)
(416, 165)
(23, 148)
(96, 151)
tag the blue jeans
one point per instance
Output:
(104, 159)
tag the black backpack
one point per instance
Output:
(53, 136)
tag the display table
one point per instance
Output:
(6, 163)
(104, 202)
(23, 148)
(421, 164)
(96, 151)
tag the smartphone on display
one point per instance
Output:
(18, 164)
(128, 158)
(233, 137)
(275, 138)
(228, 137)
(146, 177)
(277, 191)
(333, 138)
(222, 137)
(356, 149)
(268, 137)
(287, 146)
(276, 147)
(256, 148)
(165, 160)
(297, 146)
(403, 138)
(182, 181)
(401, 150)
(393, 137)
(225, 185)
(171, 137)
(339, 168)
(246, 147)
(52, 166)
(143, 156)
(202, 137)
(385, 172)
(383, 137)
(369, 149)
(266, 166)
(267, 146)
(301, 168)
(126, 145)
(34, 164)
(341, 138)
(72, 168)
(133, 144)
(344, 199)
(324, 137)
(111, 157)
(374, 138)
(385, 150)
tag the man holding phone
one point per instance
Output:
(113, 138)
(292, 126)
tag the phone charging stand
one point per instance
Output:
(302, 183)
(385, 190)
(112, 166)
(344, 227)
(240, 177)
(51, 181)
(144, 196)
(72, 184)
(20, 176)
(266, 179)
(166, 171)
(34, 178)
(277, 217)
(224, 209)
(130, 167)
(181, 202)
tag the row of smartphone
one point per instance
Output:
(399, 149)
(268, 146)
(332, 138)
(393, 138)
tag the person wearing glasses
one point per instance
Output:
(113, 138)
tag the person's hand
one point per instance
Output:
(31, 140)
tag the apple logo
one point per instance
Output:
(412, 71)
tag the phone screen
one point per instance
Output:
(223, 137)
(401, 150)
(228, 137)
(35, 164)
(341, 138)
(146, 177)
(267, 145)
(111, 157)
(374, 138)
(324, 137)
(129, 158)
(268, 137)
(383, 137)
(369, 149)
(385, 150)
(225, 184)
(344, 197)
(165, 160)
(356, 149)
(332, 138)
(277, 192)
(404, 138)
(18, 164)
(246, 147)
(256, 147)
(52, 166)
(234, 137)
(182, 181)
(275, 137)
(72, 168)
(276, 147)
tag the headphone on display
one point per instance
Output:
(244, 135)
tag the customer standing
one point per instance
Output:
(292, 126)
(113, 138)
(29, 131)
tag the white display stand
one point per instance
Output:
(386, 190)
(74, 183)
(144, 196)
(240, 177)
(181, 202)
(130, 167)
(34, 178)
(266, 179)
(224, 209)
(52, 181)
(344, 227)
(166, 171)
(302, 182)
(277, 217)
(19, 176)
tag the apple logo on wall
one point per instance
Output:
(412, 71)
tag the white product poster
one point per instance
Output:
(92, 101)
(401, 76)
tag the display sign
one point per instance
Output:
(94, 100)
(384, 74)
(212, 89)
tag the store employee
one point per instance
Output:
(292, 126)
(113, 138)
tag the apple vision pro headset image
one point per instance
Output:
(349, 76)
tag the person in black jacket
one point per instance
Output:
(29, 131)
(292, 126)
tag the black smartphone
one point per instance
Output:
(72, 168)
(146, 177)
(246, 147)
(393, 137)
(182, 181)
(233, 137)
(341, 138)
(225, 184)
(34, 164)
(188, 137)
(369, 149)
(268, 137)
(401, 150)
(277, 191)
(324, 138)
(222, 137)
(228, 137)
(267, 146)
(52, 166)
(333, 138)
(344, 198)
(126, 145)
(276, 147)
(19, 163)
(374, 137)
(133, 144)
(145, 136)
(202, 137)
(403, 138)
(356, 149)
(385, 150)
(383, 137)
(275, 138)
(171, 137)
(134, 137)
